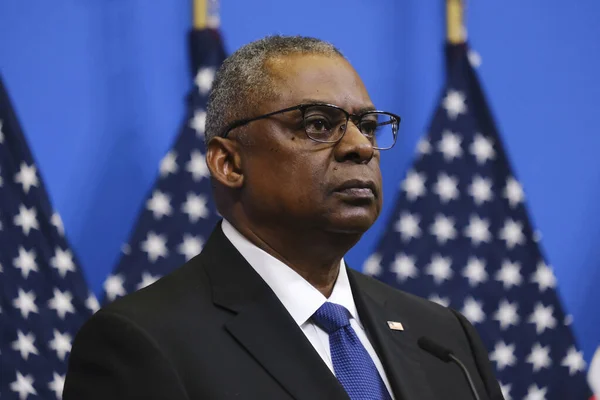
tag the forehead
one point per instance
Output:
(330, 79)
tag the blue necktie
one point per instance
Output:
(352, 364)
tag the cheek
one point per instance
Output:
(305, 179)
(286, 178)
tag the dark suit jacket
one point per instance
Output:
(213, 329)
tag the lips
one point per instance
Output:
(357, 187)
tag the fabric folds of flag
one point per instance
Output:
(43, 297)
(460, 236)
(179, 212)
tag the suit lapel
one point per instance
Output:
(263, 326)
(398, 350)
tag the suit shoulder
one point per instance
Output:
(186, 285)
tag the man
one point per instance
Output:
(269, 309)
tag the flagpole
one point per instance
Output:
(456, 32)
(206, 14)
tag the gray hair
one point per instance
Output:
(243, 79)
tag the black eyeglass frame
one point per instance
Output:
(303, 107)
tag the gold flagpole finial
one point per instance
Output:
(206, 14)
(456, 31)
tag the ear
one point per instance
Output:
(224, 161)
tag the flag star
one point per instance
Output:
(63, 261)
(61, 343)
(27, 177)
(542, 317)
(446, 187)
(513, 192)
(449, 145)
(156, 246)
(536, 393)
(191, 246)
(475, 60)
(478, 230)
(539, 357)
(568, 320)
(439, 268)
(27, 219)
(414, 185)
(574, 361)
(24, 345)
(481, 190)
(197, 166)
(473, 310)
(482, 148)
(505, 390)
(372, 265)
(25, 262)
(126, 249)
(23, 385)
(168, 165)
(442, 301)
(204, 79)
(25, 302)
(544, 277)
(61, 302)
(159, 204)
(443, 228)
(454, 103)
(195, 207)
(92, 303)
(57, 222)
(198, 122)
(503, 355)
(475, 271)
(512, 233)
(507, 314)
(57, 384)
(424, 147)
(408, 226)
(147, 280)
(404, 267)
(509, 274)
(113, 286)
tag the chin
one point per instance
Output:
(351, 224)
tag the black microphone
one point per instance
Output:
(446, 355)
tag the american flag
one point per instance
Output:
(179, 213)
(43, 296)
(460, 236)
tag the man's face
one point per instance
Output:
(292, 181)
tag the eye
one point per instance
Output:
(368, 127)
(317, 124)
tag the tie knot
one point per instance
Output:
(330, 317)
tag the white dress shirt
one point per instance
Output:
(301, 299)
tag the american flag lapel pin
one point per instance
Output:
(395, 326)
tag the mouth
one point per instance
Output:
(358, 189)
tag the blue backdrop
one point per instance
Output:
(99, 87)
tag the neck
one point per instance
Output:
(314, 255)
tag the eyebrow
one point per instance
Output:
(363, 110)
(358, 112)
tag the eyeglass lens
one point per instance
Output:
(328, 124)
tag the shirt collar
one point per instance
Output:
(299, 297)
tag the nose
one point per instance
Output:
(354, 146)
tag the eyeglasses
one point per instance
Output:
(327, 123)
